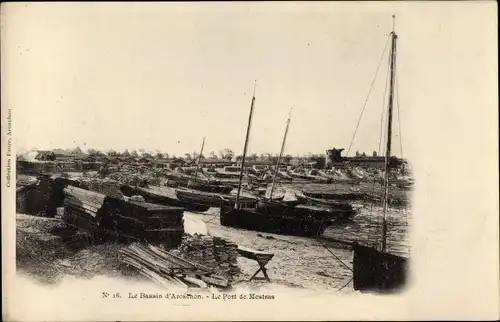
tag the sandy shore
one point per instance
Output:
(298, 261)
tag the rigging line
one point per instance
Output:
(399, 129)
(348, 282)
(377, 219)
(399, 120)
(368, 96)
(383, 150)
(384, 136)
(211, 219)
(380, 145)
(335, 256)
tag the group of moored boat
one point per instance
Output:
(302, 215)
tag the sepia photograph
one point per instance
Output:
(224, 152)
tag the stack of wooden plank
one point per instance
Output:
(34, 198)
(214, 252)
(107, 186)
(56, 185)
(23, 198)
(82, 208)
(128, 219)
(147, 221)
(168, 270)
(227, 255)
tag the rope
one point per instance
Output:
(399, 120)
(380, 148)
(401, 143)
(368, 96)
(335, 256)
(349, 281)
(211, 219)
(321, 243)
(374, 229)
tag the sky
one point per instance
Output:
(163, 76)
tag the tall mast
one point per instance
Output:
(281, 154)
(199, 159)
(245, 148)
(389, 133)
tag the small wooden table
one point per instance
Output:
(262, 258)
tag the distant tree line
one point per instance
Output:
(224, 154)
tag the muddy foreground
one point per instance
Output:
(299, 262)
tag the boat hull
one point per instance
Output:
(206, 187)
(202, 198)
(279, 208)
(375, 271)
(252, 219)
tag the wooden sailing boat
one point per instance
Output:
(271, 201)
(375, 269)
(300, 204)
(204, 184)
(202, 193)
(196, 182)
(199, 159)
(272, 216)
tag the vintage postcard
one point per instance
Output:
(249, 161)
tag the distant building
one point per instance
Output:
(218, 163)
(367, 162)
(172, 163)
(262, 163)
(333, 156)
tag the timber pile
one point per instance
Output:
(36, 196)
(214, 252)
(107, 186)
(168, 269)
(82, 208)
(23, 198)
(24, 187)
(137, 176)
(57, 183)
(123, 219)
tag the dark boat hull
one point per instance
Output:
(252, 219)
(279, 208)
(207, 187)
(375, 271)
(161, 199)
(202, 198)
(277, 203)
